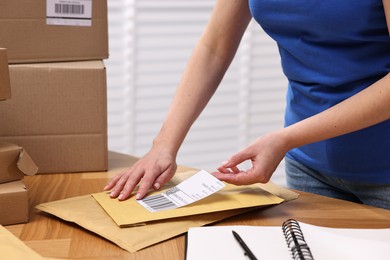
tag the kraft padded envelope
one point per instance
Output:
(87, 213)
(130, 212)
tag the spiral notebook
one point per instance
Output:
(291, 240)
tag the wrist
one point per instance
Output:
(163, 145)
(286, 138)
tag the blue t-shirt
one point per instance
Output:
(330, 50)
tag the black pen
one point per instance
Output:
(247, 251)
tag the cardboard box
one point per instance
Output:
(5, 89)
(58, 113)
(14, 203)
(15, 163)
(33, 31)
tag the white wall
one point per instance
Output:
(150, 42)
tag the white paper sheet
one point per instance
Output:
(210, 243)
(197, 187)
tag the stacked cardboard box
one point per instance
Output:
(5, 89)
(54, 30)
(58, 109)
(58, 113)
(14, 203)
(14, 163)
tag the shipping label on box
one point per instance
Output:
(15, 163)
(69, 13)
(58, 113)
(5, 89)
(14, 203)
(54, 30)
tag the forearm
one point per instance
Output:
(199, 82)
(206, 67)
(366, 108)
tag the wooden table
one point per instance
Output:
(52, 237)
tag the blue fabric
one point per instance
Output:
(329, 51)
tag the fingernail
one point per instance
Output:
(137, 197)
(112, 194)
(105, 187)
(157, 186)
(120, 197)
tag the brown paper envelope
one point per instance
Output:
(129, 212)
(87, 213)
(13, 248)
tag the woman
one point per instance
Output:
(336, 141)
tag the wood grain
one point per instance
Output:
(52, 237)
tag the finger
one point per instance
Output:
(223, 169)
(235, 169)
(115, 191)
(146, 184)
(112, 182)
(163, 178)
(237, 159)
(228, 170)
(130, 185)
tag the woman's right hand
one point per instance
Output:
(153, 170)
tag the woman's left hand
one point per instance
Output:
(265, 155)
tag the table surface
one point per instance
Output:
(52, 237)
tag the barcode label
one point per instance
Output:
(198, 186)
(69, 9)
(69, 12)
(159, 202)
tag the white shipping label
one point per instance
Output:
(198, 186)
(69, 12)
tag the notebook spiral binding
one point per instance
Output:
(295, 240)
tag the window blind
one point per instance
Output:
(150, 43)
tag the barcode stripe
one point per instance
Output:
(69, 9)
(159, 202)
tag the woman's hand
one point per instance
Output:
(153, 170)
(265, 155)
